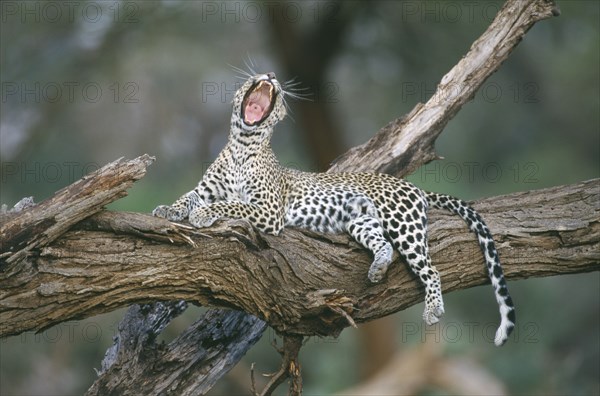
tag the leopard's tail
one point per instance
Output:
(486, 242)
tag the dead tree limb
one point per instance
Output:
(395, 147)
(299, 281)
(290, 368)
(190, 364)
(40, 225)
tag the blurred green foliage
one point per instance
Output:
(84, 83)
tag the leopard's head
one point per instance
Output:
(257, 106)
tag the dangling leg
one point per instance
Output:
(366, 229)
(430, 277)
(411, 241)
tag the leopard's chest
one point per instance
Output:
(243, 181)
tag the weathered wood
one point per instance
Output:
(299, 281)
(189, 365)
(394, 149)
(41, 224)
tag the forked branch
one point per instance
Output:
(290, 368)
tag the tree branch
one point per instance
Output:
(189, 365)
(297, 281)
(290, 368)
(394, 149)
(43, 223)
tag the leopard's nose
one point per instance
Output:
(271, 76)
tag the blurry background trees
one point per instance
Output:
(83, 83)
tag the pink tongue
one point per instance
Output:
(253, 113)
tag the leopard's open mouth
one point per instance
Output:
(258, 103)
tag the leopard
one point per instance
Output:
(378, 210)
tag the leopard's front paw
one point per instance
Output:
(200, 218)
(169, 213)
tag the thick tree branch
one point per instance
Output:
(297, 282)
(43, 223)
(189, 365)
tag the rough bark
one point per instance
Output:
(43, 223)
(393, 148)
(209, 347)
(300, 282)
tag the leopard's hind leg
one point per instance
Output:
(417, 257)
(408, 232)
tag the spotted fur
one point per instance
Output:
(379, 211)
